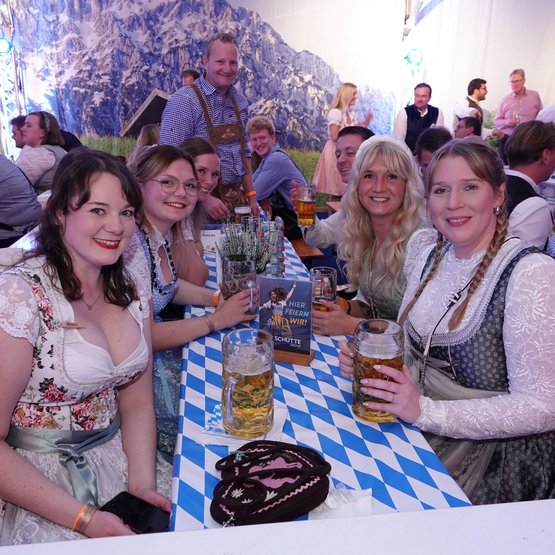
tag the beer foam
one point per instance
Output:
(248, 363)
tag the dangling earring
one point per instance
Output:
(497, 211)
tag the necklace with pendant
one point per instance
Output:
(91, 305)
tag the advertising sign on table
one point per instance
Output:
(285, 311)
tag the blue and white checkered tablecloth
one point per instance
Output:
(393, 459)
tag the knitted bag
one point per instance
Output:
(269, 481)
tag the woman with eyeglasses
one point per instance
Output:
(42, 151)
(170, 187)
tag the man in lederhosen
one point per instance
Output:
(212, 108)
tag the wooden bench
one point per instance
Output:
(306, 252)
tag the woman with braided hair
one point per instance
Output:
(479, 321)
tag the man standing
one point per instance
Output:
(531, 154)
(212, 108)
(477, 91)
(519, 106)
(417, 117)
(273, 176)
(468, 126)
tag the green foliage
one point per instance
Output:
(306, 160)
(113, 145)
(491, 140)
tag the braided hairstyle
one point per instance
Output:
(486, 165)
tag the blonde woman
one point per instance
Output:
(326, 176)
(479, 321)
(383, 206)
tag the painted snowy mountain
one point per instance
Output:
(93, 63)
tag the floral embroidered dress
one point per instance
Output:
(326, 176)
(73, 386)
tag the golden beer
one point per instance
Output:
(364, 368)
(248, 396)
(306, 212)
(318, 306)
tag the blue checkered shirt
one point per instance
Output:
(183, 118)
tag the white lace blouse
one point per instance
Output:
(528, 335)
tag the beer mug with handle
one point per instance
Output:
(248, 382)
(375, 342)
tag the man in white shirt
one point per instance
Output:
(327, 232)
(530, 151)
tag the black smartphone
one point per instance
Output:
(141, 516)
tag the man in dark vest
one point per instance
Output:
(530, 151)
(417, 117)
(470, 106)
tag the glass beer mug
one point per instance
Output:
(248, 382)
(324, 286)
(375, 342)
(306, 206)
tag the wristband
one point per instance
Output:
(83, 517)
(250, 194)
(216, 297)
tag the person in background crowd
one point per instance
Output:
(519, 106)
(189, 76)
(383, 206)
(71, 141)
(412, 120)
(148, 136)
(547, 115)
(427, 143)
(468, 126)
(479, 322)
(190, 262)
(17, 124)
(76, 409)
(327, 232)
(42, 151)
(326, 176)
(168, 180)
(530, 152)
(19, 207)
(470, 106)
(274, 175)
(212, 108)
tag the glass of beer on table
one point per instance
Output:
(324, 286)
(238, 273)
(306, 205)
(375, 342)
(248, 382)
(241, 211)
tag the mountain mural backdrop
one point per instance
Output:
(93, 63)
